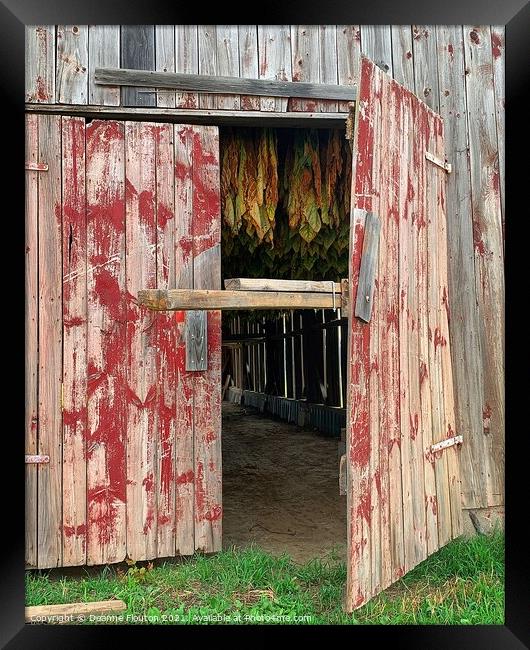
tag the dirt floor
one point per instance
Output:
(280, 487)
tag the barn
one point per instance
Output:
(237, 227)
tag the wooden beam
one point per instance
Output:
(260, 284)
(182, 299)
(222, 85)
(365, 287)
(197, 116)
(38, 612)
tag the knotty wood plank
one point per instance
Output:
(36, 612)
(426, 65)
(137, 45)
(497, 50)
(74, 255)
(367, 272)
(103, 51)
(49, 515)
(424, 370)
(348, 57)
(31, 336)
(106, 342)
(141, 377)
(328, 62)
(166, 343)
(165, 60)
(206, 229)
(187, 60)
(402, 55)
(248, 62)
(258, 284)
(208, 65)
(40, 63)
(305, 53)
(228, 62)
(184, 457)
(72, 64)
(464, 325)
(274, 57)
(196, 340)
(376, 43)
(178, 299)
(488, 245)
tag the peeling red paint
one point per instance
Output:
(78, 531)
(438, 338)
(423, 372)
(214, 513)
(414, 424)
(185, 477)
(364, 509)
(486, 416)
(496, 45)
(477, 238)
(473, 35)
(210, 437)
(200, 494)
(451, 50)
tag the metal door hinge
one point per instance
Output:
(37, 167)
(36, 459)
(448, 442)
(439, 162)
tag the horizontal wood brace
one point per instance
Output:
(37, 167)
(448, 442)
(36, 459)
(439, 162)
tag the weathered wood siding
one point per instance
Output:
(108, 397)
(456, 70)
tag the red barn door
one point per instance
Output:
(133, 438)
(403, 496)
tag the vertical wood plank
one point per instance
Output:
(166, 343)
(228, 62)
(274, 57)
(74, 341)
(348, 57)
(248, 63)
(497, 50)
(187, 60)
(377, 45)
(103, 52)
(206, 228)
(402, 59)
(142, 421)
(106, 342)
(208, 61)
(31, 334)
(40, 64)
(72, 64)
(184, 446)
(328, 62)
(50, 344)
(305, 53)
(165, 61)
(137, 45)
(488, 246)
(426, 65)
(463, 311)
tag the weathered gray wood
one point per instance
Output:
(221, 85)
(137, 51)
(196, 340)
(40, 63)
(328, 62)
(367, 272)
(165, 60)
(305, 53)
(402, 59)
(248, 62)
(182, 299)
(348, 57)
(208, 62)
(343, 469)
(199, 116)
(274, 55)
(426, 65)
(259, 284)
(187, 60)
(104, 51)
(497, 49)
(72, 64)
(376, 43)
(227, 45)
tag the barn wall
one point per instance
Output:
(456, 70)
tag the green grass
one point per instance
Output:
(461, 584)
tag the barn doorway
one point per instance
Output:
(285, 197)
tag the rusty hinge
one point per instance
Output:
(448, 442)
(37, 459)
(37, 167)
(439, 162)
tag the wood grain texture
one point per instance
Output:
(31, 336)
(137, 46)
(206, 229)
(248, 62)
(305, 54)
(49, 515)
(426, 65)
(258, 284)
(376, 43)
(106, 342)
(103, 51)
(228, 62)
(329, 72)
(402, 56)
(196, 340)
(274, 58)
(348, 57)
(40, 63)
(72, 64)
(367, 271)
(165, 61)
(208, 62)
(488, 246)
(187, 60)
(498, 53)
(74, 259)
